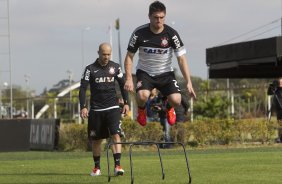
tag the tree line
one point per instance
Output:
(216, 98)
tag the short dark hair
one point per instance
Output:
(157, 6)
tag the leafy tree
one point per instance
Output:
(213, 107)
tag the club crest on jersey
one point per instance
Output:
(164, 42)
(111, 70)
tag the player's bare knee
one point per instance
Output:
(143, 95)
(174, 99)
(175, 103)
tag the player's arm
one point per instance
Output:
(128, 63)
(82, 94)
(124, 93)
(184, 68)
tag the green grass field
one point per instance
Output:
(208, 166)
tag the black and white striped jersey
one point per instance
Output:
(102, 86)
(155, 50)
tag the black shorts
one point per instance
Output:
(102, 124)
(166, 83)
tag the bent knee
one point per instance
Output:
(174, 99)
(143, 95)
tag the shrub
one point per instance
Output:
(73, 137)
(244, 129)
(223, 131)
(228, 131)
(200, 132)
(180, 132)
(135, 132)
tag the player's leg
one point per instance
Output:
(113, 122)
(174, 99)
(142, 97)
(169, 88)
(96, 136)
(117, 155)
(96, 151)
(143, 89)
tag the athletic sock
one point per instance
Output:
(96, 161)
(117, 157)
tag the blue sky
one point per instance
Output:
(46, 36)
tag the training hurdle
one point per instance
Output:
(131, 144)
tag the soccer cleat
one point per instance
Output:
(141, 118)
(118, 171)
(170, 115)
(95, 172)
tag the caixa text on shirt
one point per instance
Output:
(104, 79)
(156, 51)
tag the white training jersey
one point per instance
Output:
(155, 50)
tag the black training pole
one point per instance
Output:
(131, 144)
(131, 164)
(109, 173)
(130, 156)
(186, 158)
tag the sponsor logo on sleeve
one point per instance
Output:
(176, 42)
(133, 40)
(87, 75)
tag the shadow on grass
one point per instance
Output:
(41, 174)
(58, 174)
(104, 177)
(50, 174)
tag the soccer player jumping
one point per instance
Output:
(156, 42)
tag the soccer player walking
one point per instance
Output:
(104, 114)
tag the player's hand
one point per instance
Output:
(191, 90)
(84, 113)
(125, 109)
(129, 85)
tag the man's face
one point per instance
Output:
(157, 20)
(104, 55)
(280, 82)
